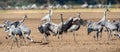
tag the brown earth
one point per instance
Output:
(84, 43)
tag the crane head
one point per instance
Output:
(107, 10)
(25, 16)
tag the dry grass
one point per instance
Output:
(59, 10)
(85, 43)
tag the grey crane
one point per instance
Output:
(13, 32)
(118, 24)
(17, 28)
(93, 26)
(46, 28)
(112, 27)
(77, 22)
(20, 24)
(97, 26)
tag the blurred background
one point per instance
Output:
(57, 4)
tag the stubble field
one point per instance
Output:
(84, 43)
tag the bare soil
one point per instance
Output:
(85, 43)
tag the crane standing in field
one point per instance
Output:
(110, 26)
(77, 22)
(46, 28)
(43, 28)
(97, 26)
(93, 26)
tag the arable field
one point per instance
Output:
(85, 43)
